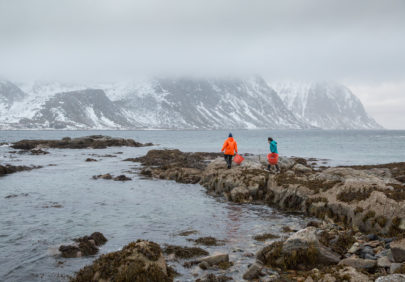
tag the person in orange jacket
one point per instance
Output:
(230, 147)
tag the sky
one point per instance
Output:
(359, 43)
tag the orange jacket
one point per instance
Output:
(230, 146)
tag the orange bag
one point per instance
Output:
(272, 158)
(238, 159)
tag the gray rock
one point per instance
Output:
(391, 278)
(301, 168)
(215, 259)
(306, 238)
(359, 263)
(398, 250)
(253, 271)
(394, 267)
(383, 262)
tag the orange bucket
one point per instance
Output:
(272, 158)
(238, 159)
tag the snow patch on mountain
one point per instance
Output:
(327, 105)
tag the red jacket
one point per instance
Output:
(230, 146)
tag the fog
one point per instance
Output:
(359, 43)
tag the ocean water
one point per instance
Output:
(44, 208)
(340, 147)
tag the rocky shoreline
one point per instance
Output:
(9, 169)
(361, 208)
(93, 141)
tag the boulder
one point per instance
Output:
(398, 250)
(253, 271)
(359, 263)
(355, 276)
(391, 278)
(215, 259)
(301, 168)
(307, 238)
(383, 262)
(138, 261)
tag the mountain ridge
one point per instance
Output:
(181, 103)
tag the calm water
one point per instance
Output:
(31, 229)
(339, 146)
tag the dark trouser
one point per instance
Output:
(276, 165)
(228, 159)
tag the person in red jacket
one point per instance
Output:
(230, 147)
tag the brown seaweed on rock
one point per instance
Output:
(94, 141)
(138, 261)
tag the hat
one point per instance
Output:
(230, 135)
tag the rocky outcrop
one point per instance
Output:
(94, 142)
(9, 169)
(138, 261)
(365, 198)
(84, 246)
(108, 176)
(175, 165)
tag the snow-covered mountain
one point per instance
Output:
(182, 103)
(208, 104)
(326, 105)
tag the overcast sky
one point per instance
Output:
(359, 43)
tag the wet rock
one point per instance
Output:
(266, 236)
(38, 152)
(213, 278)
(122, 178)
(84, 246)
(70, 251)
(185, 252)
(207, 241)
(187, 232)
(138, 261)
(359, 263)
(391, 278)
(253, 271)
(15, 195)
(215, 259)
(9, 169)
(98, 238)
(398, 250)
(90, 160)
(106, 176)
(94, 141)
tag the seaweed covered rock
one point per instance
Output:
(175, 165)
(302, 249)
(185, 252)
(84, 246)
(9, 169)
(94, 141)
(138, 261)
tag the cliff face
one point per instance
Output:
(181, 103)
(325, 105)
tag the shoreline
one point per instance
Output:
(361, 211)
(367, 201)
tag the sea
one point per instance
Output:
(47, 207)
